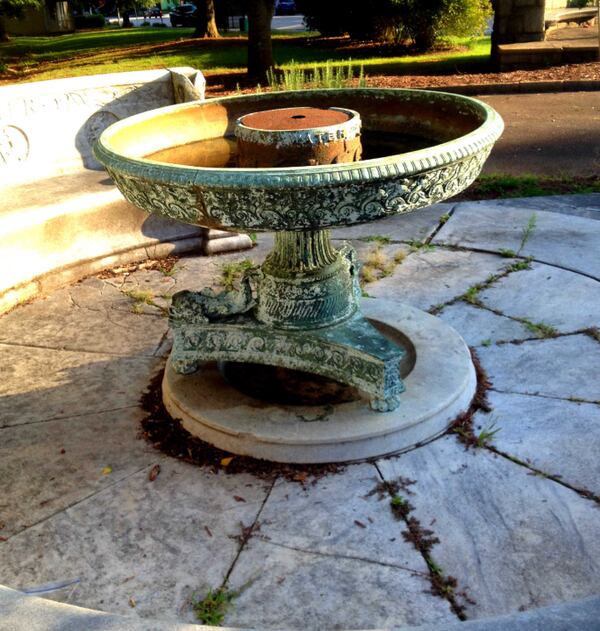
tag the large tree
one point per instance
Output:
(206, 22)
(260, 47)
(14, 9)
(126, 7)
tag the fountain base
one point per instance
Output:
(440, 383)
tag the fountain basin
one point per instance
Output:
(301, 309)
(419, 147)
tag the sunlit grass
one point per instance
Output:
(145, 48)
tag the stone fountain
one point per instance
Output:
(290, 163)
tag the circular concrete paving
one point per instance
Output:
(497, 518)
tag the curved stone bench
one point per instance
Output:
(61, 218)
(20, 612)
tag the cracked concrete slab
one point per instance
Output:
(40, 384)
(284, 588)
(139, 542)
(565, 241)
(545, 294)
(339, 515)
(70, 463)
(426, 279)
(560, 438)
(561, 367)
(480, 327)
(512, 540)
(89, 316)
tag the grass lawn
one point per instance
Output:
(142, 48)
(500, 186)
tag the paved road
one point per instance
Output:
(286, 23)
(547, 134)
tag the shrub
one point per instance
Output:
(95, 20)
(580, 4)
(424, 23)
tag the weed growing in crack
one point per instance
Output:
(233, 272)
(472, 295)
(527, 231)
(507, 253)
(140, 298)
(462, 427)
(399, 256)
(444, 218)
(377, 264)
(377, 238)
(540, 329)
(212, 608)
(166, 269)
(484, 438)
(400, 507)
(436, 309)
(594, 333)
(486, 342)
(420, 246)
(422, 539)
(519, 265)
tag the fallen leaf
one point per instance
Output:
(359, 523)
(106, 470)
(226, 461)
(208, 532)
(154, 472)
(3, 538)
(237, 498)
(132, 602)
(63, 451)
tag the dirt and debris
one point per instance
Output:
(167, 435)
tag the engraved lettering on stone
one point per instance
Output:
(14, 145)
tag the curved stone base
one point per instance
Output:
(439, 387)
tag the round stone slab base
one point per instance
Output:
(439, 387)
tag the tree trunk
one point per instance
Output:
(206, 24)
(260, 47)
(126, 21)
(3, 33)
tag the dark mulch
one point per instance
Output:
(167, 435)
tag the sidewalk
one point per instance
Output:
(507, 525)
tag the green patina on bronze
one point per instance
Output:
(301, 308)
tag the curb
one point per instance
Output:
(526, 87)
